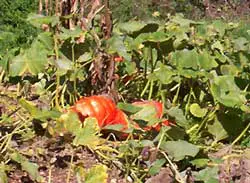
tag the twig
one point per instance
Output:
(241, 135)
(178, 175)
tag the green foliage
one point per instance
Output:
(199, 70)
(14, 29)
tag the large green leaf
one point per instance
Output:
(192, 59)
(67, 33)
(32, 60)
(179, 19)
(179, 149)
(224, 89)
(131, 26)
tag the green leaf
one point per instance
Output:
(131, 26)
(148, 113)
(128, 107)
(67, 33)
(217, 130)
(36, 113)
(130, 67)
(229, 70)
(206, 61)
(30, 168)
(157, 37)
(197, 111)
(156, 166)
(37, 20)
(224, 89)
(69, 121)
(116, 45)
(179, 19)
(98, 173)
(191, 59)
(63, 65)
(200, 163)
(32, 60)
(240, 44)
(88, 135)
(164, 74)
(179, 116)
(85, 57)
(208, 175)
(179, 149)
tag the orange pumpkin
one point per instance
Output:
(97, 106)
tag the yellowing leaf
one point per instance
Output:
(96, 174)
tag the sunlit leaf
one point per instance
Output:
(85, 57)
(32, 60)
(191, 59)
(224, 89)
(200, 163)
(98, 173)
(240, 44)
(197, 111)
(88, 135)
(70, 122)
(68, 33)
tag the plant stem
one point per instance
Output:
(151, 90)
(145, 89)
(241, 135)
(57, 75)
